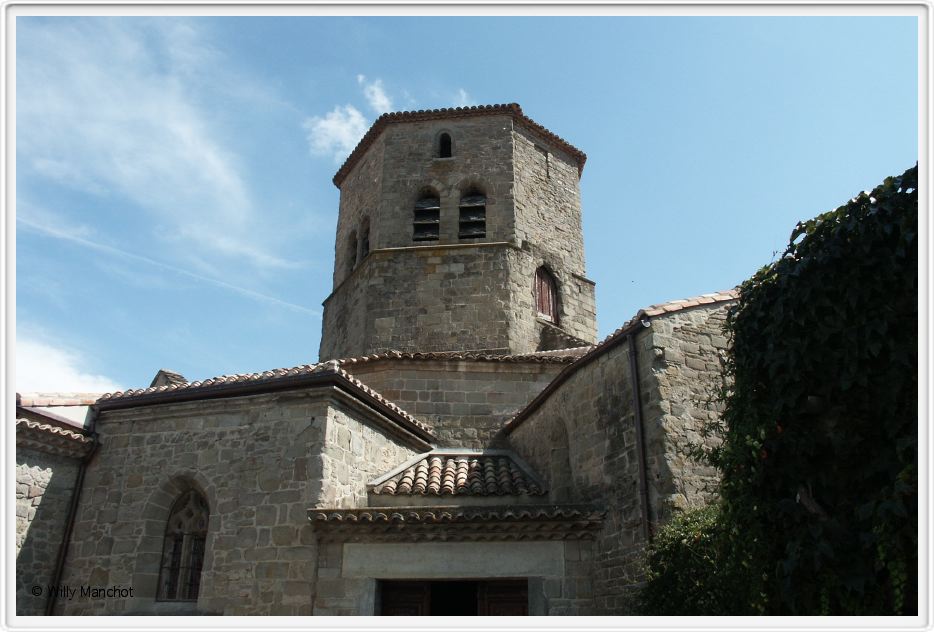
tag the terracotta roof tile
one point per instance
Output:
(51, 438)
(453, 514)
(56, 399)
(264, 377)
(511, 109)
(558, 356)
(448, 473)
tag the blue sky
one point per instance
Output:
(174, 204)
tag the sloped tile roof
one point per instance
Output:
(56, 399)
(511, 109)
(450, 524)
(452, 473)
(558, 356)
(227, 383)
(51, 438)
(454, 514)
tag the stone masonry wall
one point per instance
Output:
(577, 311)
(688, 351)
(435, 299)
(465, 402)
(360, 199)
(582, 440)
(44, 485)
(467, 298)
(353, 454)
(421, 299)
(481, 157)
(259, 462)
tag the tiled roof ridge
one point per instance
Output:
(512, 109)
(320, 368)
(44, 399)
(54, 430)
(453, 472)
(536, 356)
(618, 335)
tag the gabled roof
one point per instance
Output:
(615, 338)
(267, 381)
(509, 109)
(456, 472)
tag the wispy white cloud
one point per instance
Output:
(375, 94)
(336, 133)
(58, 233)
(114, 107)
(463, 99)
(42, 366)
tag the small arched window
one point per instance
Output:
(352, 252)
(183, 548)
(472, 215)
(444, 146)
(426, 225)
(546, 295)
(364, 238)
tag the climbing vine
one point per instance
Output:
(818, 510)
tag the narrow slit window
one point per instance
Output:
(472, 216)
(546, 295)
(427, 223)
(183, 549)
(444, 146)
(352, 252)
(365, 239)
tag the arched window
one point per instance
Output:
(546, 295)
(472, 215)
(183, 548)
(364, 238)
(444, 146)
(427, 222)
(352, 252)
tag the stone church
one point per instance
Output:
(464, 446)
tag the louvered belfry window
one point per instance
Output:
(546, 295)
(472, 216)
(183, 549)
(427, 222)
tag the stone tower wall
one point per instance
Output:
(440, 296)
(360, 199)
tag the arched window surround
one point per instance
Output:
(445, 145)
(545, 292)
(184, 547)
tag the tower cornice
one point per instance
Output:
(509, 109)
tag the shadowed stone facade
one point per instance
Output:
(452, 431)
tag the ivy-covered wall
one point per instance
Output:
(819, 460)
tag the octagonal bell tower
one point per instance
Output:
(459, 230)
